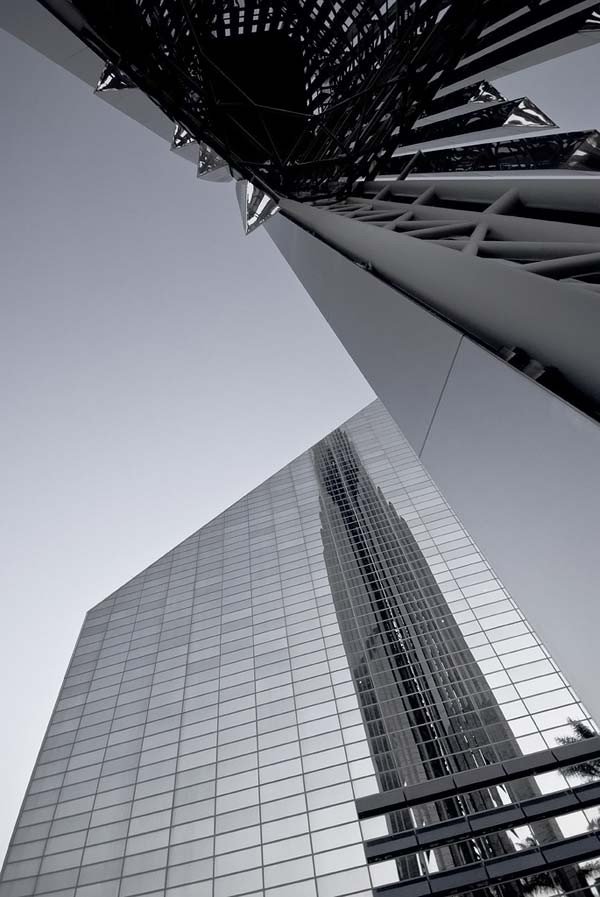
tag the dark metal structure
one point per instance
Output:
(335, 103)
(305, 97)
(572, 150)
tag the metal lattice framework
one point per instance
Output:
(305, 97)
(489, 219)
(513, 262)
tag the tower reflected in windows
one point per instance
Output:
(428, 709)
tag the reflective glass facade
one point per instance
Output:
(333, 634)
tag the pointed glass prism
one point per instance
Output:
(181, 138)
(526, 113)
(113, 78)
(255, 205)
(484, 92)
(211, 166)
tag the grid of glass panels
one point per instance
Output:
(209, 739)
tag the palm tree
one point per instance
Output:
(541, 882)
(588, 770)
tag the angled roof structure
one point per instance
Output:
(304, 98)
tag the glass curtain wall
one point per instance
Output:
(333, 634)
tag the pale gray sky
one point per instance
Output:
(156, 364)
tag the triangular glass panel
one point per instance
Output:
(211, 166)
(526, 113)
(113, 78)
(255, 205)
(484, 92)
(181, 137)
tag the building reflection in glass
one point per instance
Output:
(427, 708)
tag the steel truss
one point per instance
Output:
(509, 220)
(513, 263)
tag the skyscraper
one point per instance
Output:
(323, 691)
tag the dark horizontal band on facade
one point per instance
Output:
(497, 870)
(483, 823)
(482, 777)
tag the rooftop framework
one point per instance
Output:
(305, 97)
